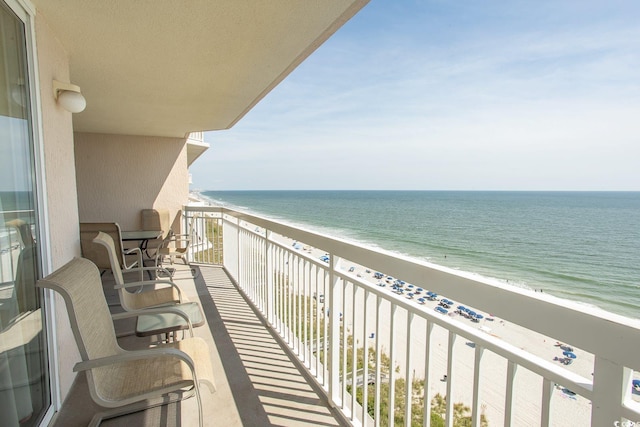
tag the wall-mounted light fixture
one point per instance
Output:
(69, 96)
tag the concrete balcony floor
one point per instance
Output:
(258, 383)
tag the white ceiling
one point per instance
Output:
(167, 67)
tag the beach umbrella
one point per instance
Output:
(569, 354)
(462, 308)
(479, 316)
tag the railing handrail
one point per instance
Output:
(617, 336)
(257, 251)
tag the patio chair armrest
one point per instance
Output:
(129, 356)
(142, 283)
(132, 251)
(187, 235)
(156, 310)
(146, 282)
(183, 239)
(143, 269)
(175, 240)
(136, 269)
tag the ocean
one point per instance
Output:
(582, 246)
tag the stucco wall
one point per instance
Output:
(62, 203)
(119, 175)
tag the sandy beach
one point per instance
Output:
(566, 408)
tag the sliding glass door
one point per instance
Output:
(24, 382)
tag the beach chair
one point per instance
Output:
(125, 381)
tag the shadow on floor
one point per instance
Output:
(264, 380)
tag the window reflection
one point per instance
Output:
(24, 391)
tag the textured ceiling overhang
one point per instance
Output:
(166, 67)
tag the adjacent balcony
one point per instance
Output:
(309, 329)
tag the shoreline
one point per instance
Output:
(516, 283)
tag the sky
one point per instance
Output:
(449, 95)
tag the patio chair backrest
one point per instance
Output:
(96, 253)
(156, 219)
(106, 241)
(79, 284)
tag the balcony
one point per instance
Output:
(292, 315)
(258, 382)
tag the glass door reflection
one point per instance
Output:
(24, 382)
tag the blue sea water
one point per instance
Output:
(583, 246)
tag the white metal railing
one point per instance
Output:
(333, 320)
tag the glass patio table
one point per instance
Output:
(165, 323)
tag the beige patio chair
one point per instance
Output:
(174, 246)
(156, 219)
(147, 294)
(125, 381)
(98, 255)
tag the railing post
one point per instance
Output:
(408, 368)
(609, 390)
(270, 273)
(392, 361)
(186, 230)
(512, 369)
(450, 374)
(334, 332)
(239, 250)
(476, 413)
(427, 376)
